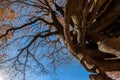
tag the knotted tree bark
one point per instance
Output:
(97, 50)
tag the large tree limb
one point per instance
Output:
(107, 19)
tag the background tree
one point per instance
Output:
(89, 30)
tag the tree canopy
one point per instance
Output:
(87, 29)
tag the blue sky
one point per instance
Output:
(72, 71)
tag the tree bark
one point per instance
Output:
(99, 77)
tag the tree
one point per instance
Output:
(89, 30)
(6, 14)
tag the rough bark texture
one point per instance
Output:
(100, 50)
(99, 77)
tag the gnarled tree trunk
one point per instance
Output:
(97, 48)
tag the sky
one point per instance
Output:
(72, 71)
